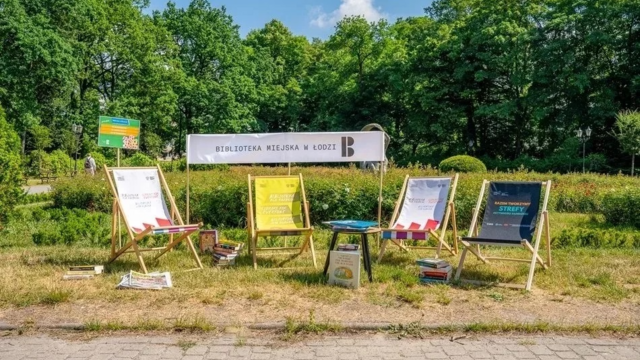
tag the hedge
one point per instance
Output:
(219, 197)
(462, 163)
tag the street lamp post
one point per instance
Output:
(584, 137)
(77, 130)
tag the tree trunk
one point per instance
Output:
(633, 162)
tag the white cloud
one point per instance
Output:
(347, 8)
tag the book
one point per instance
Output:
(344, 268)
(208, 240)
(348, 247)
(77, 277)
(432, 263)
(78, 272)
(96, 269)
(355, 225)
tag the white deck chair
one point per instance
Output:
(138, 198)
(427, 205)
(510, 219)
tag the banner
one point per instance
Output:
(511, 211)
(424, 204)
(140, 196)
(278, 203)
(119, 133)
(285, 148)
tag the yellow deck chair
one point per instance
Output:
(510, 219)
(425, 206)
(138, 198)
(280, 209)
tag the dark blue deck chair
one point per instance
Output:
(512, 217)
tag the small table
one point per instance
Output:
(366, 257)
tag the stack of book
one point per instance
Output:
(224, 253)
(83, 272)
(351, 225)
(348, 247)
(434, 271)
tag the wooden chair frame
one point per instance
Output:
(186, 230)
(254, 233)
(450, 213)
(474, 246)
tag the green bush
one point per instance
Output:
(82, 193)
(597, 238)
(463, 164)
(219, 197)
(10, 169)
(73, 227)
(622, 207)
(138, 159)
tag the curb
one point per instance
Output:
(258, 326)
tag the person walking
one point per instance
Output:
(89, 165)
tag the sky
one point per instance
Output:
(312, 18)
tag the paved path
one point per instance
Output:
(371, 347)
(37, 189)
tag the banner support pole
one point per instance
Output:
(289, 164)
(119, 227)
(381, 169)
(188, 189)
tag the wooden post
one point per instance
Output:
(379, 237)
(188, 190)
(119, 228)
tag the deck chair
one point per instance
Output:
(510, 219)
(425, 209)
(280, 209)
(138, 199)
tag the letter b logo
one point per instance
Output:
(347, 150)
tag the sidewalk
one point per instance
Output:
(361, 346)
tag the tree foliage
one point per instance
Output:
(10, 168)
(507, 81)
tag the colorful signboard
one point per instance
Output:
(119, 133)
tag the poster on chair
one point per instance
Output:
(140, 196)
(424, 204)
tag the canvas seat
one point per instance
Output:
(425, 206)
(280, 208)
(512, 217)
(139, 200)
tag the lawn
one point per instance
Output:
(584, 286)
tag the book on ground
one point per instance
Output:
(344, 268)
(432, 263)
(151, 281)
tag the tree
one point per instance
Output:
(10, 168)
(628, 134)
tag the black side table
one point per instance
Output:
(366, 257)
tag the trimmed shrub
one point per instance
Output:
(463, 164)
(597, 238)
(10, 169)
(622, 207)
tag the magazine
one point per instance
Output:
(354, 225)
(151, 281)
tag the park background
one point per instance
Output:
(509, 83)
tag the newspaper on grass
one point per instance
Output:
(151, 281)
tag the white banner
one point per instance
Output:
(285, 148)
(424, 204)
(141, 198)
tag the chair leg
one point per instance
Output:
(254, 251)
(139, 256)
(532, 269)
(313, 251)
(461, 263)
(383, 247)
